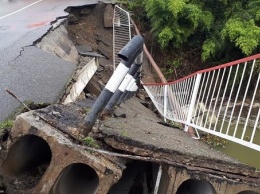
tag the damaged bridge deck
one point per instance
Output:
(137, 135)
(142, 134)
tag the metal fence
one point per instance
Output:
(223, 101)
(121, 32)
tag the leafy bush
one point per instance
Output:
(225, 27)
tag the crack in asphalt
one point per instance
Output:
(26, 46)
(20, 54)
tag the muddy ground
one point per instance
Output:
(86, 26)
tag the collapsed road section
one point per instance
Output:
(121, 155)
(26, 69)
(130, 153)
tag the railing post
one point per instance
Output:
(193, 100)
(165, 102)
(158, 180)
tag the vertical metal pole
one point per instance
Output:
(249, 112)
(114, 55)
(193, 100)
(209, 97)
(165, 107)
(158, 180)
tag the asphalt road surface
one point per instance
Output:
(32, 74)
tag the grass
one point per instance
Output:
(124, 133)
(7, 124)
(214, 141)
(87, 110)
(91, 142)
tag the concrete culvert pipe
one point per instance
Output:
(247, 192)
(138, 178)
(29, 154)
(196, 187)
(77, 179)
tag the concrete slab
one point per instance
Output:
(34, 76)
(58, 43)
(141, 134)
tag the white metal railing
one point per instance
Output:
(121, 32)
(223, 101)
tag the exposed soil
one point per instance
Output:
(86, 27)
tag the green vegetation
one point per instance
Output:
(7, 124)
(91, 142)
(214, 141)
(221, 29)
(124, 133)
(87, 110)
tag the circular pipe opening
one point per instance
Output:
(132, 48)
(196, 187)
(76, 178)
(138, 177)
(247, 192)
(27, 160)
(123, 57)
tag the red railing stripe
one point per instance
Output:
(246, 59)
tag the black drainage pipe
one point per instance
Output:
(128, 88)
(138, 177)
(132, 90)
(132, 48)
(76, 178)
(112, 102)
(128, 54)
